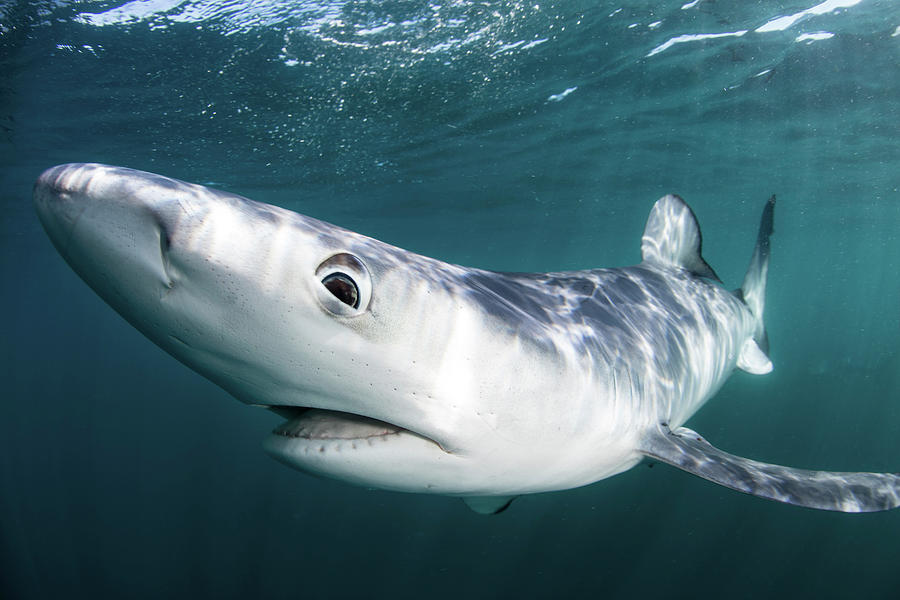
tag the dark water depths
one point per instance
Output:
(515, 136)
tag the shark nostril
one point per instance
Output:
(164, 241)
(164, 245)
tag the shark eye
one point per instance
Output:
(343, 285)
(343, 288)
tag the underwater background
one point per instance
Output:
(518, 136)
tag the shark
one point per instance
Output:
(398, 371)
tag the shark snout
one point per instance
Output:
(109, 223)
(59, 195)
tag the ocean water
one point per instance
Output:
(521, 136)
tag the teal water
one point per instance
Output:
(509, 135)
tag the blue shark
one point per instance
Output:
(397, 371)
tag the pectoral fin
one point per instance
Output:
(824, 490)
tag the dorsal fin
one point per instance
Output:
(672, 238)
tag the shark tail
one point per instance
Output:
(672, 240)
(753, 290)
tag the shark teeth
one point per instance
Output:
(319, 424)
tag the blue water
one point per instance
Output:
(506, 135)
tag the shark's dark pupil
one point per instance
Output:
(343, 288)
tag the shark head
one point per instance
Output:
(377, 357)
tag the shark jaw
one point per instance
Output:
(321, 428)
(363, 451)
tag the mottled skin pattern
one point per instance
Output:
(444, 379)
(630, 322)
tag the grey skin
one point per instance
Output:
(401, 372)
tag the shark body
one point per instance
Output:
(402, 372)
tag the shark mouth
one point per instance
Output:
(321, 425)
